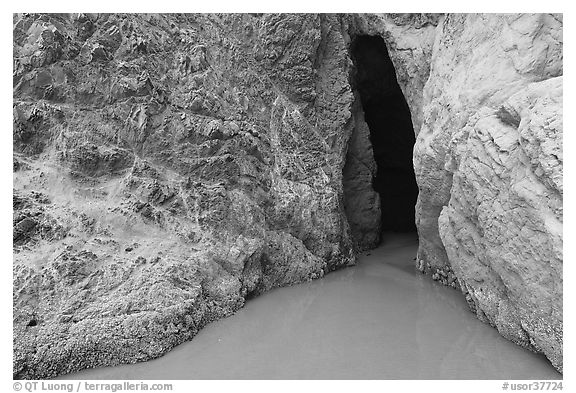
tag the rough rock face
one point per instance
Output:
(488, 161)
(167, 167)
(502, 228)
(361, 202)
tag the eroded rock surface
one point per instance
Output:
(361, 201)
(502, 228)
(488, 161)
(167, 167)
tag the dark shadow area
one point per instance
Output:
(391, 132)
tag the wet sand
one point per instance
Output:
(380, 319)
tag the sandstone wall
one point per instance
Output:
(485, 93)
(488, 161)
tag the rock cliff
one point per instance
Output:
(488, 161)
(169, 167)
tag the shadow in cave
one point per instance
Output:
(391, 133)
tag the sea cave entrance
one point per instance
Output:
(380, 189)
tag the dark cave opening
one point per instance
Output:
(391, 133)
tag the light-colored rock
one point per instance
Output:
(488, 161)
(502, 228)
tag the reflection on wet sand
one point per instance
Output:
(380, 319)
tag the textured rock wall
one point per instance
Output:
(488, 161)
(361, 202)
(502, 228)
(166, 168)
(485, 95)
